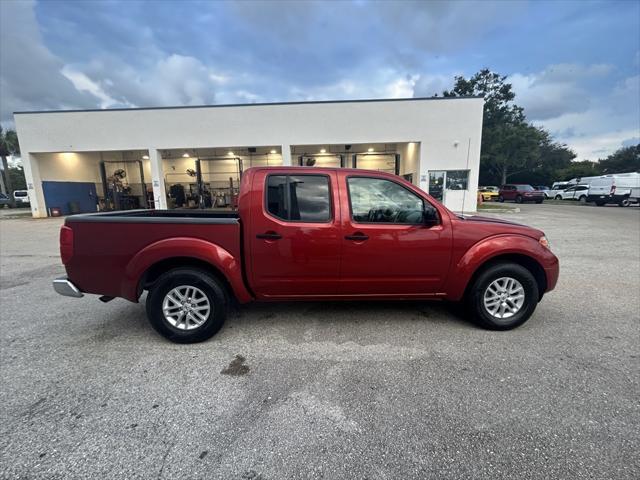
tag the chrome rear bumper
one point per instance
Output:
(64, 287)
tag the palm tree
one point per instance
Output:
(8, 146)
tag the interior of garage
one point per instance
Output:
(210, 177)
(195, 178)
(82, 182)
(396, 158)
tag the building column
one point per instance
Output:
(422, 169)
(157, 179)
(286, 155)
(34, 185)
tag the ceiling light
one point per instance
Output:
(323, 150)
(370, 149)
(145, 157)
(230, 153)
(273, 152)
(185, 155)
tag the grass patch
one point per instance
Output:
(496, 206)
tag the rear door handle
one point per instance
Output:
(269, 236)
(357, 237)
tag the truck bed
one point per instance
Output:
(109, 246)
(157, 216)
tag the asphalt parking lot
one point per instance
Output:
(328, 390)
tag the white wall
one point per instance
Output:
(436, 124)
(410, 160)
(463, 156)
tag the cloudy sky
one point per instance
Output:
(575, 66)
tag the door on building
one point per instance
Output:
(70, 197)
(436, 184)
(387, 249)
(295, 238)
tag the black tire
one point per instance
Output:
(600, 204)
(625, 202)
(558, 197)
(583, 199)
(519, 199)
(200, 279)
(475, 296)
(500, 198)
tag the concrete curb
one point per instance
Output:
(499, 210)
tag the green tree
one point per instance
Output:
(511, 147)
(584, 168)
(623, 160)
(8, 146)
(17, 178)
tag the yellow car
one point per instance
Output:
(488, 193)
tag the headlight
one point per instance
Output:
(544, 242)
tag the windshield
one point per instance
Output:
(526, 188)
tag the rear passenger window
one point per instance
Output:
(302, 198)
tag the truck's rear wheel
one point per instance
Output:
(503, 297)
(186, 305)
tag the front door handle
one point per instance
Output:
(269, 236)
(357, 237)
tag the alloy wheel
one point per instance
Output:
(186, 307)
(504, 297)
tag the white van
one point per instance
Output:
(620, 188)
(21, 197)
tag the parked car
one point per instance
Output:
(489, 193)
(558, 187)
(542, 188)
(306, 234)
(4, 200)
(622, 189)
(21, 197)
(520, 193)
(577, 192)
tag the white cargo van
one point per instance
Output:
(620, 188)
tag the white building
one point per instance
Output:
(163, 157)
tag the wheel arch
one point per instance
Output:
(149, 277)
(164, 255)
(523, 260)
(519, 249)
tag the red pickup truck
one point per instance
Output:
(306, 234)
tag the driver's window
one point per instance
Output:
(375, 200)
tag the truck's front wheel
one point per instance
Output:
(503, 297)
(186, 305)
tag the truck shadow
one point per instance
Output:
(349, 313)
(298, 321)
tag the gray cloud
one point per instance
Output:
(557, 90)
(30, 77)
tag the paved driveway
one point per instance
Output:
(328, 390)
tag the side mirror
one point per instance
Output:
(430, 216)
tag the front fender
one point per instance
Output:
(196, 248)
(493, 247)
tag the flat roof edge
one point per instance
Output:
(315, 102)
